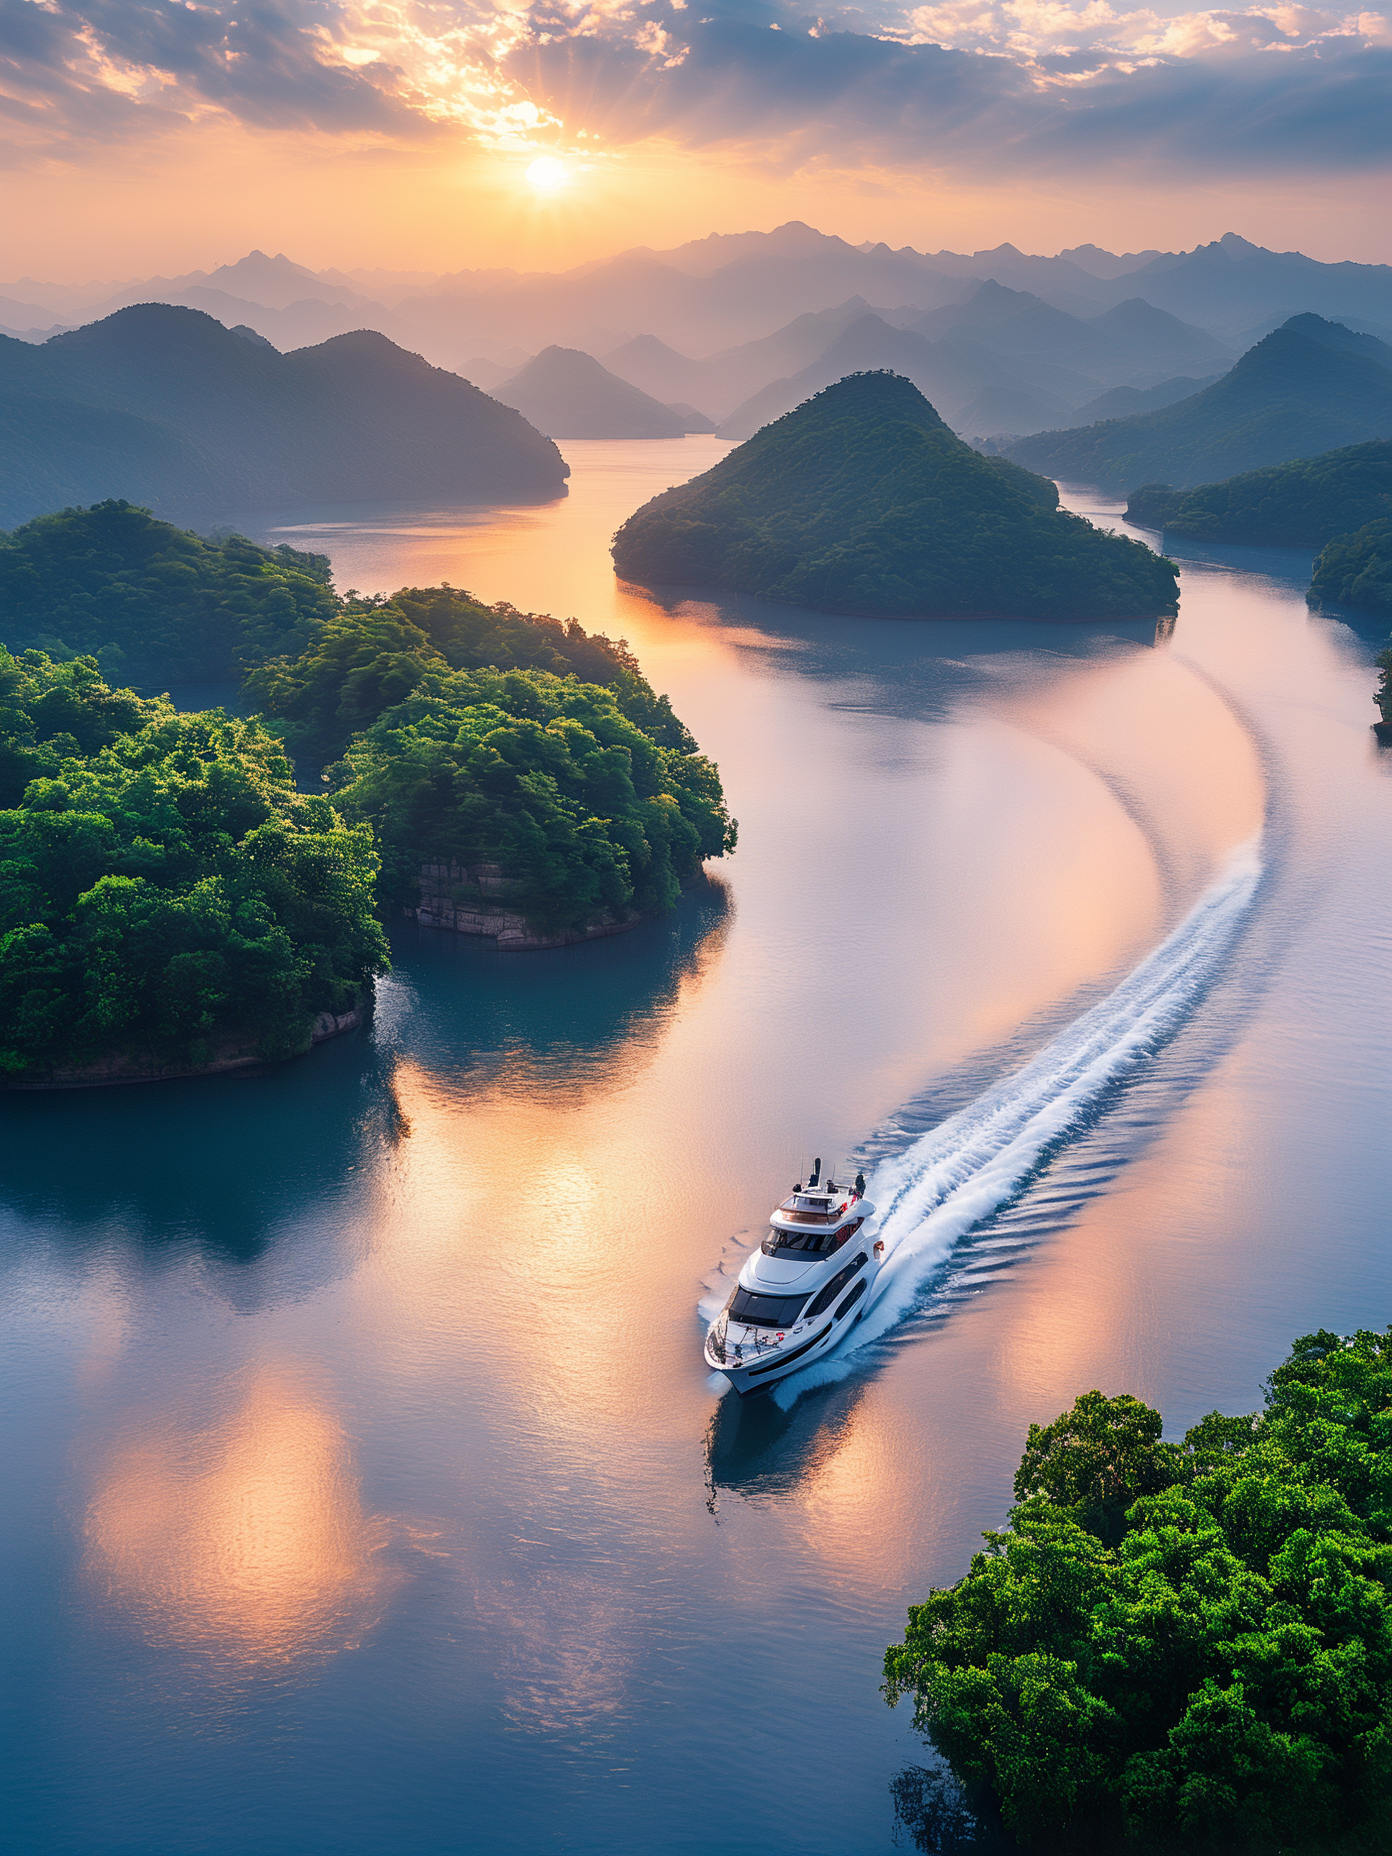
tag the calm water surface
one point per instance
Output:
(366, 1491)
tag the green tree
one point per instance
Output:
(153, 603)
(1183, 1645)
(543, 776)
(373, 652)
(163, 887)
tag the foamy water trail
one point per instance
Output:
(976, 1161)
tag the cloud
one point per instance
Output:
(992, 86)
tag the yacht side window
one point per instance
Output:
(826, 1296)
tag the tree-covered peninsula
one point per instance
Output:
(470, 735)
(541, 778)
(1182, 1646)
(529, 758)
(155, 604)
(1356, 569)
(168, 901)
(1304, 503)
(863, 501)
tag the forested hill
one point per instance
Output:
(166, 407)
(155, 604)
(1301, 504)
(1310, 386)
(863, 501)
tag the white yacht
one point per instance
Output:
(803, 1287)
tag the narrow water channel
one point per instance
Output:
(366, 1489)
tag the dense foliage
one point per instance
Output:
(1356, 569)
(543, 776)
(375, 651)
(472, 734)
(155, 604)
(162, 885)
(1308, 387)
(863, 501)
(1183, 1643)
(1304, 503)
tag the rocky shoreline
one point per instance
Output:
(440, 908)
(235, 1057)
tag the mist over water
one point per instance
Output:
(366, 1486)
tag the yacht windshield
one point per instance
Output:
(765, 1311)
(818, 1243)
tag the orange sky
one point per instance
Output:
(398, 133)
(207, 195)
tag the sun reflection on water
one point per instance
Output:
(244, 1539)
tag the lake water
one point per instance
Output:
(366, 1491)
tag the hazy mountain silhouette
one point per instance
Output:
(567, 394)
(1123, 402)
(1309, 386)
(722, 381)
(1133, 337)
(863, 501)
(973, 388)
(166, 407)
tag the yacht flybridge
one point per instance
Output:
(806, 1284)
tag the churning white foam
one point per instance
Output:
(976, 1161)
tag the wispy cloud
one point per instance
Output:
(994, 84)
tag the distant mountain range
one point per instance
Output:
(1003, 360)
(1308, 387)
(163, 406)
(713, 294)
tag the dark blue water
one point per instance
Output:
(366, 1491)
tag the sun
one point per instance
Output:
(547, 174)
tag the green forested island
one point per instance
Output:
(167, 898)
(1182, 1645)
(168, 893)
(1304, 503)
(863, 501)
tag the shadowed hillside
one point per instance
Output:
(567, 394)
(1301, 504)
(1310, 386)
(863, 501)
(166, 407)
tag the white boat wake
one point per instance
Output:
(975, 1162)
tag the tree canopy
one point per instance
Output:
(1182, 1644)
(862, 501)
(542, 775)
(155, 604)
(461, 733)
(1355, 569)
(372, 652)
(163, 887)
(1303, 503)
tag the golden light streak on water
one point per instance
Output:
(243, 1538)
